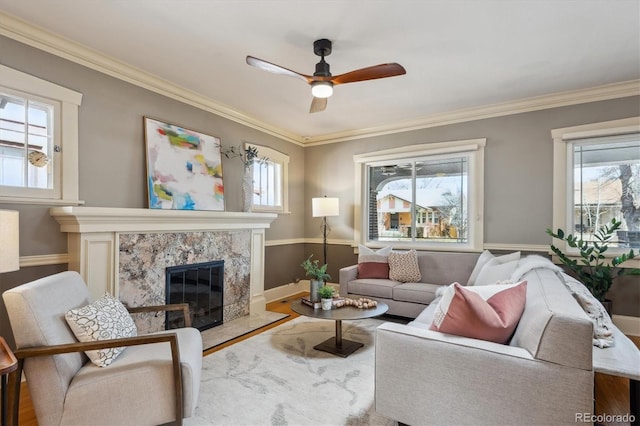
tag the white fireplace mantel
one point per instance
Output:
(93, 239)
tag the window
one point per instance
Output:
(270, 181)
(422, 196)
(597, 178)
(38, 140)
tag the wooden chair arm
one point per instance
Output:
(21, 354)
(184, 307)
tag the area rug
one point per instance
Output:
(277, 378)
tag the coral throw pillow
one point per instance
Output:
(487, 313)
(403, 267)
(373, 264)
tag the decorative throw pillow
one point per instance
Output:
(403, 266)
(482, 260)
(498, 269)
(373, 264)
(487, 312)
(104, 319)
(602, 325)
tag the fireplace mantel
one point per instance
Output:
(93, 234)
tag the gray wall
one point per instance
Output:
(518, 162)
(518, 175)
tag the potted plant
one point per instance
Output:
(594, 270)
(326, 296)
(318, 276)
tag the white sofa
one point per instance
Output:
(544, 376)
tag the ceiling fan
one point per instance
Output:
(322, 81)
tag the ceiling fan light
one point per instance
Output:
(321, 89)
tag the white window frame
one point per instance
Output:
(274, 157)
(563, 145)
(65, 122)
(473, 147)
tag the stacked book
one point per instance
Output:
(307, 301)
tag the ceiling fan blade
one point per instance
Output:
(318, 104)
(370, 73)
(276, 69)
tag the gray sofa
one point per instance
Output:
(543, 376)
(409, 299)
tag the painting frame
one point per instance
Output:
(183, 168)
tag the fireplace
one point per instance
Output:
(199, 285)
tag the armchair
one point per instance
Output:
(154, 381)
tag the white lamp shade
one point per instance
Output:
(325, 206)
(9, 241)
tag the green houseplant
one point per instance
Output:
(318, 275)
(594, 270)
(326, 293)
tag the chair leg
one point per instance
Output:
(13, 406)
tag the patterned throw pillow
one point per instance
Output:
(403, 267)
(373, 264)
(489, 312)
(104, 319)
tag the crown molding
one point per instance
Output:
(52, 43)
(575, 97)
(55, 44)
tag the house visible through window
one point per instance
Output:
(597, 179)
(424, 196)
(38, 140)
(270, 181)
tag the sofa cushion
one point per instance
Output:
(373, 287)
(373, 264)
(498, 269)
(444, 268)
(403, 266)
(415, 292)
(104, 319)
(482, 260)
(487, 313)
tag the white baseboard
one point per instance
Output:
(287, 290)
(627, 324)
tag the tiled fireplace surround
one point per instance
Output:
(125, 252)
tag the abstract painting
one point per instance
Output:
(184, 168)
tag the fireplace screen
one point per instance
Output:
(201, 286)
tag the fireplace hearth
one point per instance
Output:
(199, 285)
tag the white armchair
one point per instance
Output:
(154, 381)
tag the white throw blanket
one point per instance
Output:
(602, 324)
(531, 262)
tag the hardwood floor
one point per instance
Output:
(612, 393)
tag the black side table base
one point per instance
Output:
(346, 348)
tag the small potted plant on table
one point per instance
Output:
(326, 296)
(318, 275)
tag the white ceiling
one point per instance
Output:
(458, 54)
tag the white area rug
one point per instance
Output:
(277, 378)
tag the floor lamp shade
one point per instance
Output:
(9, 241)
(325, 206)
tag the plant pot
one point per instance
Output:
(314, 285)
(608, 306)
(327, 304)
